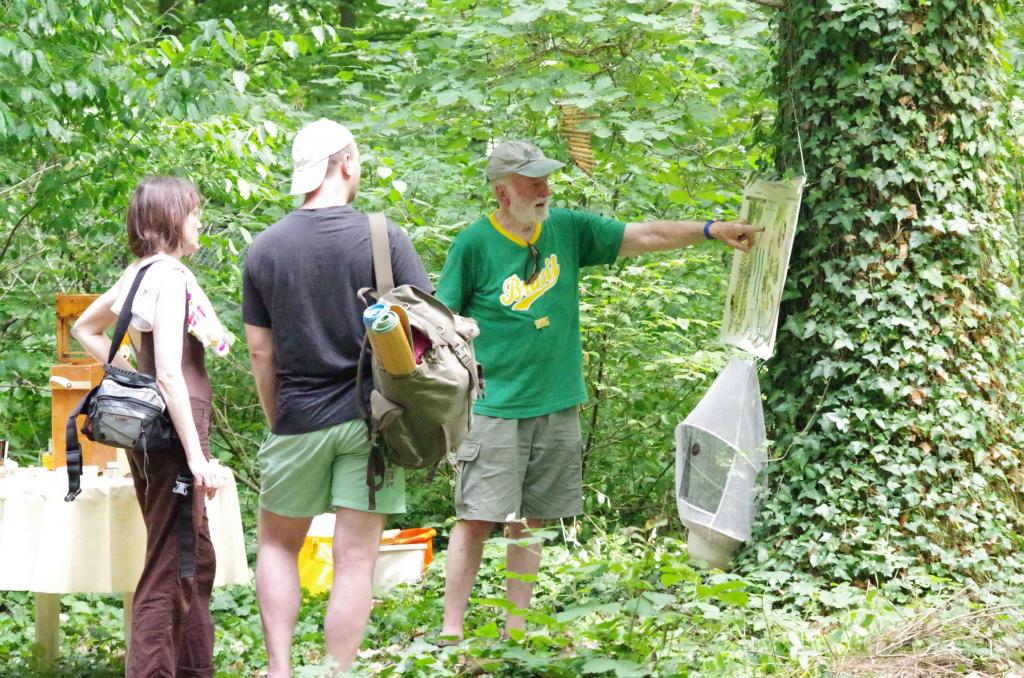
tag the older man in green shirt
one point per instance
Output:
(516, 272)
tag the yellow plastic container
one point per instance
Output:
(316, 564)
(403, 557)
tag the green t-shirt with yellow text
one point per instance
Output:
(529, 343)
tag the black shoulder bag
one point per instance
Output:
(125, 410)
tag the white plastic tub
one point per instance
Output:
(396, 563)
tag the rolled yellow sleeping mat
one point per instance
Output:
(390, 341)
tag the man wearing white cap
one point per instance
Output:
(516, 272)
(303, 323)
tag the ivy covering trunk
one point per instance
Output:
(894, 385)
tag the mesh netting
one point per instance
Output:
(720, 448)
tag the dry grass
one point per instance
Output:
(943, 641)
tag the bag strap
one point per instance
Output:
(360, 391)
(72, 445)
(183, 487)
(73, 449)
(385, 279)
(125, 316)
(375, 464)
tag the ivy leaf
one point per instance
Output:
(659, 600)
(241, 79)
(841, 423)
(934, 276)
(738, 598)
(871, 24)
(578, 611)
(678, 196)
(523, 15)
(633, 134)
(841, 596)
(489, 630)
(918, 238)
(447, 97)
(622, 667)
(24, 59)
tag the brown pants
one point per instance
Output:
(172, 629)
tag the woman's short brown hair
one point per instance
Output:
(157, 214)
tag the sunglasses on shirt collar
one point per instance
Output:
(532, 264)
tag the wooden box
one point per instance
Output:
(74, 375)
(69, 308)
(68, 385)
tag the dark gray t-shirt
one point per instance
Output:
(301, 279)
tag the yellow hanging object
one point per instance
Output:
(571, 117)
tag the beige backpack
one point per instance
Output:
(416, 420)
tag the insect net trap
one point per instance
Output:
(720, 449)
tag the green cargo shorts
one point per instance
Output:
(521, 468)
(307, 474)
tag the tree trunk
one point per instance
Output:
(894, 386)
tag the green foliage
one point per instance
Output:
(99, 104)
(895, 388)
(628, 604)
(671, 133)
(1014, 62)
(425, 86)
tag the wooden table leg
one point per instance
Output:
(48, 626)
(129, 599)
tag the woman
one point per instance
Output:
(171, 627)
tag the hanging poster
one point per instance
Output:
(758, 277)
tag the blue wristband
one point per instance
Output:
(707, 229)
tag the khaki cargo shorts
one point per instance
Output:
(521, 468)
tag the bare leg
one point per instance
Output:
(465, 549)
(356, 543)
(277, 586)
(521, 560)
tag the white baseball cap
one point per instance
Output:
(312, 146)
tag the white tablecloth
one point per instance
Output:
(95, 544)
